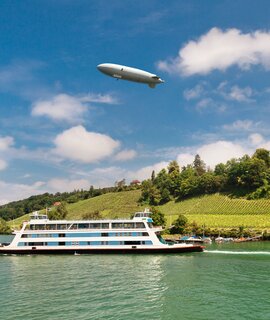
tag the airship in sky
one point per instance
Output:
(127, 73)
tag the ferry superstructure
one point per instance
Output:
(138, 235)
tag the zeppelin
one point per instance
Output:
(131, 74)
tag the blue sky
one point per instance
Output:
(64, 125)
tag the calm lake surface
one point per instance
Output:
(230, 281)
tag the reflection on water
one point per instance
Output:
(189, 286)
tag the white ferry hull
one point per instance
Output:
(137, 250)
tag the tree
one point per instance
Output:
(150, 193)
(220, 169)
(158, 217)
(120, 184)
(199, 165)
(4, 228)
(164, 196)
(60, 213)
(209, 183)
(174, 176)
(173, 168)
(179, 224)
(153, 176)
(264, 155)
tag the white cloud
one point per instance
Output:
(125, 155)
(243, 125)
(213, 153)
(99, 98)
(69, 108)
(240, 94)
(15, 191)
(185, 158)
(5, 146)
(67, 185)
(219, 50)
(194, 93)
(145, 172)
(60, 107)
(256, 139)
(104, 177)
(6, 143)
(3, 164)
(80, 145)
(220, 151)
(204, 103)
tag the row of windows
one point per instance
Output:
(76, 235)
(75, 226)
(84, 243)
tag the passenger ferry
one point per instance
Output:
(138, 235)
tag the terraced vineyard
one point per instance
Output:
(221, 211)
(218, 204)
(211, 210)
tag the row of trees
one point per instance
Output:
(247, 176)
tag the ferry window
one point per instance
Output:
(128, 225)
(61, 226)
(104, 242)
(117, 225)
(105, 234)
(24, 236)
(51, 227)
(150, 224)
(94, 225)
(61, 243)
(62, 235)
(74, 226)
(40, 227)
(83, 225)
(145, 234)
(31, 244)
(140, 225)
(132, 242)
(105, 225)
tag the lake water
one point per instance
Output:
(229, 281)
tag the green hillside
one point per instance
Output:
(210, 210)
